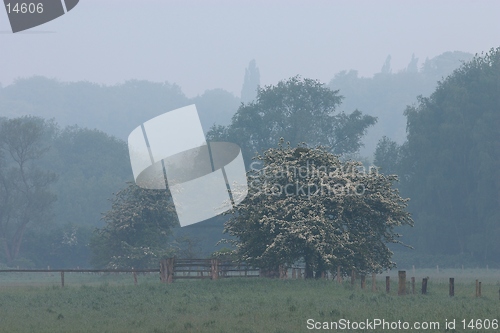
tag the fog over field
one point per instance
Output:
(202, 45)
(249, 166)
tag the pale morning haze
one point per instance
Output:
(172, 166)
(202, 45)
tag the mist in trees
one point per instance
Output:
(115, 110)
(444, 149)
(386, 94)
(300, 110)
(449, 164)
(25, 195)
(215, 106)
(136, 230)
(48, 222)
(251, 83)
(91, 166)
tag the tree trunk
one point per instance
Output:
(309, 272)
(7, 251)
(18, 238)
(270, 272)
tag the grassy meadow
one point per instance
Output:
(112, 303)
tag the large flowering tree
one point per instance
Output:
(137, 229)
(306, 204)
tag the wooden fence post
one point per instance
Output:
(170, 270)
(413, 285)
(374, 282)
(402, 283)
(339, 277)
(282, 271)
(134, 274)
(452, 287)
(363, 281)
(163, 270)
(424, 286)
(477, 288)
(387, 284)
(62, 279)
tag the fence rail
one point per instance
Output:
(172, 269)
(152, 270)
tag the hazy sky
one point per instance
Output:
(207, 44)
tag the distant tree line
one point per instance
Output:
(115, 110)
(54, 184)
(450, 163)
(387, 93)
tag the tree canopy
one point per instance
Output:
(386, 94)
(305, 204)
(450, 164)
(136, 231)
(298, 110)
(25, 196)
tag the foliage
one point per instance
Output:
(387, 156)
(450, 164)
(91, 166)
(136, 231)
(226, 254)
(215, 106)
(57, 246)
(386, 94)
(298, 110)
(116, 109)
(25, 196)
(307, 204)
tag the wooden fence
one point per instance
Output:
(172, 269)
(97, 271)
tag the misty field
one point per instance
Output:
(113, 304)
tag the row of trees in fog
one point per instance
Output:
(447, 165)
(118, 109)
(446, 168)
(54, 185)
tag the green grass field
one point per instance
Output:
(113, 304)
